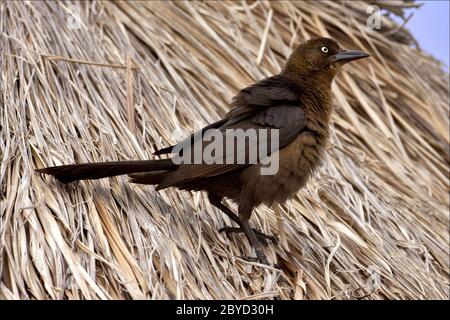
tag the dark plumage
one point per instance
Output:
(297, 102)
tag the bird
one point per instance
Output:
(297, 103)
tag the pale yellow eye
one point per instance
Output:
(324, 49)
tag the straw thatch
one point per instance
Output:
(372, 223)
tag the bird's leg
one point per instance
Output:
(217, 202)
(245, 211)
(257, 232)
(255, 243)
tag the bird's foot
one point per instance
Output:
(260, 258)
(258, 233)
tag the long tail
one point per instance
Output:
(98, 170)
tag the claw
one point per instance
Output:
(258, 233)
(260, 258)
(249, 259)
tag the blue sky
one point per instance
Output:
(430, 26)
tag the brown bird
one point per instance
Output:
(297, 102)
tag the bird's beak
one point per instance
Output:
(348, 55)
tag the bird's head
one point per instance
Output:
(322, 57)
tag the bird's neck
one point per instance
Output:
(301, 72)
(317, 91)
(319, 80)
(316, 88)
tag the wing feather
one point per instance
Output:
(287, 119)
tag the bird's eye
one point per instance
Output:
(324, 49)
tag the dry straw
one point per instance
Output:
(373, 223)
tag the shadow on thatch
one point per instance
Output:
(373, 222)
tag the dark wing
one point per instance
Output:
(272, 91)
(288, 119)
(214, 125)
(272, 103)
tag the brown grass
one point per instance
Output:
(373, 222)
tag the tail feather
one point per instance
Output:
(98, 170)
(154, 177)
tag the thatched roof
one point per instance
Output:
(372, 222)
